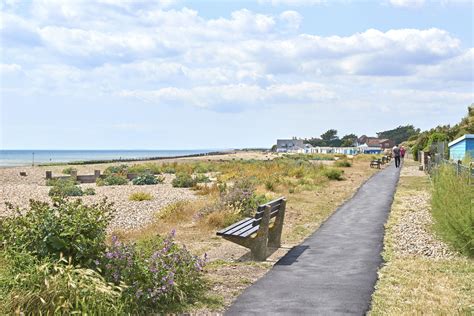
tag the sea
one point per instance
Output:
(11, 158)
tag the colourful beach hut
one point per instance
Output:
(459, 148)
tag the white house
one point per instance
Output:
(293, 145)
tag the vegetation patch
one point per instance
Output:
(147, 179)
(183, 180)
(452, 199)
(140, 196)
(112, 179)
(334, 174)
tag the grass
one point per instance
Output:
(416, 284)
(452, 198)
(140, 196)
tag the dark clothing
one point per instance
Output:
(397, 161)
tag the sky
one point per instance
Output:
(177, 74)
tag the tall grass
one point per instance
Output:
(452, 208)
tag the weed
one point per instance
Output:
(140, 196)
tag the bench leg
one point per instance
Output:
(259, 247)
(274, 236)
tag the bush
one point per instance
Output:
(159, 273)
(69, 170)
(200, 178)
(112, 179)
(89, 191)
(334, 174)
(65, 227)
(60, 182)
(122, 169)
(343, 163)
(147, 179)
(242, 196)
(452, 209)
(183, 180)
(57, 288)
(65, 190)
(140, 196)
(152, 168)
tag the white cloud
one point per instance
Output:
(407, 3)
(294, 3)
(247, 60)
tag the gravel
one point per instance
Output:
(413, 233)
(128, 214)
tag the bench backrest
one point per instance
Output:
(274, 209)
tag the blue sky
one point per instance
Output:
(222, 74)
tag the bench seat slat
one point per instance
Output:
(241, 231)
(229, 229)
(250, 231)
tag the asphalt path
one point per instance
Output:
(333, 272)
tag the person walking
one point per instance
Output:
(396, 155)
(402, 152)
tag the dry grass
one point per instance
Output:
(415, 284)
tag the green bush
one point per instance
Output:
(343, 163)
(65, 190)
(452, 210)
(122, 169)
(140, 196)
(66, 227)
(159, 273)
(69, 170)
(334, 174)
(183, 180)
(56, 288)
(89, 191)
(153, 168)
(112, 179)
(200, 178)
(242, 196)
(147, 179)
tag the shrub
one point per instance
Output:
(183, 180)
(159, 273)
(200, 178)
(140, 196)
(60, 182)
(146, 168)
(122, 169)
(89, 191)
(147, 179)
(58, 288)
(452, 209)
(169, 168)
(112, 179)
(203, 167)
(343, 163)
(65, 227)
(69, 170)
(242, 197)
(333, 174)
(221, 219)
(65, 190)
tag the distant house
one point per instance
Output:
(366, 149)
(375, 142)
(293, 145)
(459, 148)
(346, 150)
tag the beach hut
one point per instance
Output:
(461, 147)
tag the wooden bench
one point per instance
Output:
(375, 163)
(256, 233)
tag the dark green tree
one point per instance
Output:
(399, 134)
(348, 140)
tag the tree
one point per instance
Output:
(348, 140)
(399, 134)
(329, 136)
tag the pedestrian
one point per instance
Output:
(396, 155)
(402, 152)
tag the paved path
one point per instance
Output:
(334, 270)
